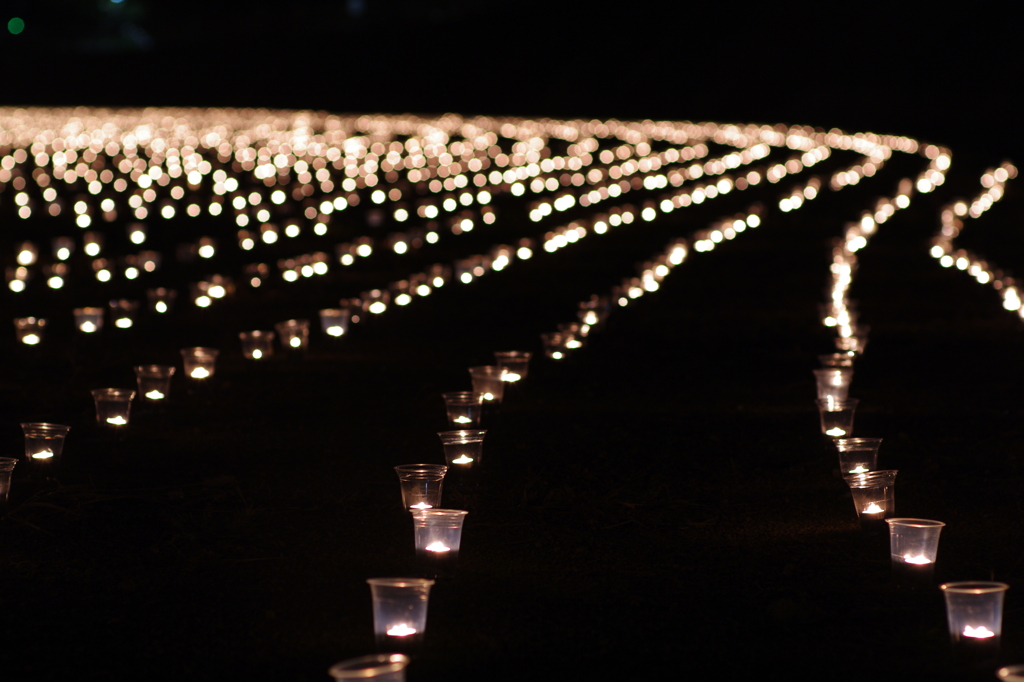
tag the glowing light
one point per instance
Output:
(377, 307)
(421, 505)
(45, 454)
(401, 630)
(257, 354)
(155, 395)
(335, 331)
(836, 432)
(980, 632)
(462, 420)
(437, 547)
(462, 459)
(117, 421)
(859, 470)
(873, 509)
(123, 323)
(295, 342)
(87, 327)
(919, 559)
(203, 373)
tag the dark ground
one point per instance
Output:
(660, 503)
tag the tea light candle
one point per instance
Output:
(257, 345)
(29, 330)
(154, 382)
(113, 406)
(88, 320)
(199, 362)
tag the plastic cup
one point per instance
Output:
(913, 545)
(154, 382)
(122, 313)
(293, 334)
(88, 320)
(974, 612)
(161, 300)
(857, 455)
(334, 321)
(833, 383)
(44, 444)
(200, 363)
(257, 345)
(421, 485)
(488, 379)
(29, 330)
(516, 364)
(379, 667)
(873, 496)
(399, 612)
(113, 406)
(464, 408)
(438, 535)
(462, 448)
(837, 416)
(7, 465)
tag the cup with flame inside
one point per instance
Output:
(7, 465)
(873, 496)
(334, 321)
(377, 667)
(857, 455)
(88, 320)
(113, 406)
(29, 330)
(438, 536)
(199, 362)
(44, 444)
(837, 417)
(421, 485)
(464, 408)
(974, 613)
(833, 382)
(488, 379)
(122, 313)
(161, 299)
(913, 545)
(293, 334)
(516, 364)
(463, 448)
(154, 383)
(257, 345)
(400, 612)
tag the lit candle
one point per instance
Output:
(30, 339)
(462, 459)
(462, 420)
(980, 632)
(919, 559)
(836, 432)
(45, 454)
(401, 630)
(859, 470)
(488, 396)
(511, 376)
(199, 373)
(118, 420)
(335, 331)
(421, 505)
(437, 547)
(155, 395)
(87, 327)
(122, 323)
(295, 342)
(873, 509)
(257, 354)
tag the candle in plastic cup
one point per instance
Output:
(122, 313)
(334, 321)
(487, 379)
(516, 364)
(974, 613)
(199, 362)
(44, 444)
(154, 382)
(399, 612)
(257, 345)
(837, 417)
(913, 546)
(421, 485)
(463, 448)
(833, 383)
(857, 455)
(29, 330)
(293, 334)
(88, 320)
(438, 535)
(161, 300)
(464, 408)
(378, 667)
(873, 496)
(7, 465)
(113, 406)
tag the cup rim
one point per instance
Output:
(462, 395)
(870, 479)
(446, 513)
(368, 666)
(463, 434)
(841, 404)
(113, 392)
(44, 426)
(974, 587)
(915, 523)
(200, 350)
(399, 582)
(422, 468)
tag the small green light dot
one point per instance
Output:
(16, 25)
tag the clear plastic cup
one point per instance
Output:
(29, 330)
(837, 416)
(1011, 673)
(44, 444)
(834, 360)
(464, 408)
(88, 320)
(154, 382)
(857, 455)
(400, 612)
(516, 364)
(293, 334)
(378, 667)
(833, 383)
(113, 406)
(421, 485)
(913, 546)
(200, 363)
(161, 300)
(122, 313)
(438, 535)
(463, 448)
(334, 321)
(873, 496)
(488, 379)
(257, 345)
(974, 612)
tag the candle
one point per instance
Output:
(155, 395)
(118, 420)
(45, 454)
(873, 509)
(836, 433)
(87, 327)
(437, 547)
(980, 632)
(421, 505)
(462, 460)
(200, 373)
(918, 559)
(401, 630)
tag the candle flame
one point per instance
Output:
(200, 373)
(257, 354)
(835, 433)
(123, 322)
(401, 630)
(295, 342)
(980, 632)
(437, 547)
(859, 470)
(919, 559)
(118, 420)
(462, 459)
(488, 396)
(462, 420)
(155, 395)
(335, 331)
(30, 339)
(87, 327)
(421, 505)
(45, 454)
(511, 376)
(160, 307)
(873, 509)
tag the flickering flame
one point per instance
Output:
(295, 342)
(836, 432)
(462, 420)
(462, 459)
(45, 454)
(488, 396)
(437, 547)
(573, 343)
(859, 470)
(873, 509)
(123, 323)
(335, 331)
(257, 354)
(980, 632)
(511, 376)
(117, 421)
(160, 307)
(421, 505)
(201, 372)
(30, 339)
(557, 355)
(401, 630)
(87, 327)
(919, 559)
(155, 395)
